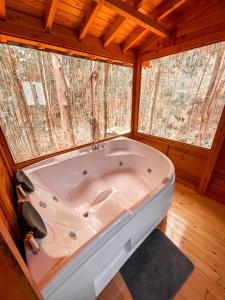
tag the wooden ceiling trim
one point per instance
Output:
(88, 19)
(64, 40)
(118, 24)
(158, 14)
(125, 10)
(197, 39)
(200, 7)
(50, 14)
(201, 23)
(2, 9)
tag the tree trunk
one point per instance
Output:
(106, 82)
(22, 100)
(156, 88)
(63, 102)
(210, 91)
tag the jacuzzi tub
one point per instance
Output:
(98, 207)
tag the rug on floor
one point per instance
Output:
(157, 269)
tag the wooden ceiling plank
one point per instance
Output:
(2, 9)
(63, 40)
(50, 14)
(200, 38)
(166, 8)
(125, 10)
(88, 20)
(118, 24)
(200, 7)
(158, 14)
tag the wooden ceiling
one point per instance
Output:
(113, 29)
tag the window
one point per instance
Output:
(183, 95)
(48, 100)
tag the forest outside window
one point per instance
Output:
(48, 100)
(183, 95)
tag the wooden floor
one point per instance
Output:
(197, 226)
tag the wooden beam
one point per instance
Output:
(159, 14)
(166, 8)
(200, 7)
(136, 35)
(62, 39)
(118, 24)
(197, 39)
(136, 97)
(125, 10)
(111, 33)
(88, 20)
(50, 14)
(2, 9)
(214, 152)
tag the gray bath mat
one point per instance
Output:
(157, 269)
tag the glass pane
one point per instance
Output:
(48, 101)
(183, 95)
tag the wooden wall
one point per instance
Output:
(216, 187)
(16, 281)
(7, 207)
(189, 161)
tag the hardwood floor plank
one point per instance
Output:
(196, 224)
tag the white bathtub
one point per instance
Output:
(98, 207)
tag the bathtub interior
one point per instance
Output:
(122, 167)
(85, 192)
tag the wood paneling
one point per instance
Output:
(15, 278)
(7, 211)
(130, 24)
(216, 187)
(189, 161)
(197, 31)
(196, 225)
(158, 15)
(127, 11)
(28, 31)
